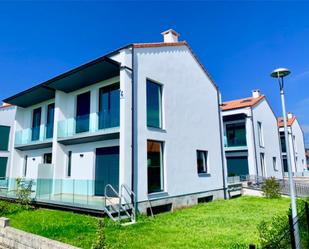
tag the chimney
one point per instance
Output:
(290, 115)
(170, 36)
(256, 93)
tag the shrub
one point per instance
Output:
(23, 192)
(7, 208)
(271, 188)
(99, 242)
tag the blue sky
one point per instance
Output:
(240, 43)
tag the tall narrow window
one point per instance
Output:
(154, 105)
(82, 112)
(260, 131)
(275, 163)
(282, 140)
(3, 163)
(155, 166)
(50, 120)
(262, 159)
(201, 161)
(69, 164)
(47, 158)
(36, 122)
(25, 166)
(4, 137)
(109, 106)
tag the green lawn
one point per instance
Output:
(219, 224)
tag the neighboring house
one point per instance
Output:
(296, 142)
(251, 137)
(146, 115)
(7, 116)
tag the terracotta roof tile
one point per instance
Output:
(241, 103)
(5, 106)
(290, 121)
(159, 44)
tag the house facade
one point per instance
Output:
(296, 143)
(145, 116)
(251, 138)
(7, 116)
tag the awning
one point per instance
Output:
(90, 73)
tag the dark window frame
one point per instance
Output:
(205, 166)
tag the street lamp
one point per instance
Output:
(280, 73)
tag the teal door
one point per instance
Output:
(106, 169)
(237, 166)
(3, 162)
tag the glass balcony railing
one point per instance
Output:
(91, 123)
(69, 192)
(33, 135)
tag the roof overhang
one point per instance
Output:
(90, 73)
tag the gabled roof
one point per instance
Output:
(241, 103)
(290, 121)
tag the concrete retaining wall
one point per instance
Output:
(12, 238)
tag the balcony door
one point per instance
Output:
(109, 105)
(106, 169)
(36, 122)
(50, 120)
(82, 112)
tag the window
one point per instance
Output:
(154, 105)
(25, 166)
(275, 163)
(69, 164)
(3, 162)
(36, 122)
(109, 106)
(155, 166)
(282, 141)
(4, 137)
(260, 131)
(262, 159)
(236, 134)
(82, 112)
(201, 159)
(50, 120)
(47, 158)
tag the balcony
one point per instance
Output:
(34, 138)
(89, 128)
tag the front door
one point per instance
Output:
(106, 169)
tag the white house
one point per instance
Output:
(145, 116)
(7, 116)
(296, 142)
(251, 137)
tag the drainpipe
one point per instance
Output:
(254, 141)
(221, 143)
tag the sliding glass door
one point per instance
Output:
(36, 122)
(50, 120)
(82, 112)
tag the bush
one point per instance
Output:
(7, 208)
(99, 242)
(23, 192)
(271, 188)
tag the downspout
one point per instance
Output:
(221, 143)
(254, 141)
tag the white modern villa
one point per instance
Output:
(251, 138)
(296, 142)
(144, 119)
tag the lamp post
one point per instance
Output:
(280, 73)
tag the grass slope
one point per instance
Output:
(215, 225)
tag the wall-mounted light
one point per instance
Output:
(33, 159)
(81, 155)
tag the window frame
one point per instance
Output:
(260, 134)
(7, 142)
(205, 162)
(45, 157)
(161, 123)
(275, 165)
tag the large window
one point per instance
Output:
(260, 131)
(82, 112)
(3, 162)
(109, 106)
(202, 165)
(236, 134)
(50, 120)
(155, 166)
(282, 140)
(154, 105)
(36, 122)
(4, 137)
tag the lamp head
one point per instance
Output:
(280, 72)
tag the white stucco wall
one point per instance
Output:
(190, 120)
(263, 113)
(299, 146)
